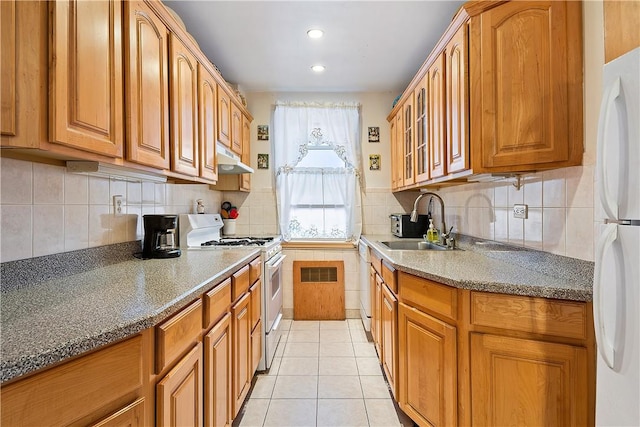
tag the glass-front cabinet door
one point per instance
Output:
(408, 176)
(422, 150)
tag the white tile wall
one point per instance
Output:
(561, 211)
(45, 210)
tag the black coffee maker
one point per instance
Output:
(160, 240)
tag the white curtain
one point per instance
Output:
(318, 168)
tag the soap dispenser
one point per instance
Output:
(432, 233)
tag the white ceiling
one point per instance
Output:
(368, 46)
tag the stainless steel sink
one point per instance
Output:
(415, 245)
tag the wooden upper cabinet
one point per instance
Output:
(184, 109)
(224, 117)
(207, 106)
(8, 30)
(245, 178)
(621, 33)
(397, 157)
(147, 86)
(236, 129)
(408, 175)
(422, 128)
(457, 113)
(526, 86)
(527, 382)
(86, 76)
(436, 113)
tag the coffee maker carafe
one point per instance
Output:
(160, 239)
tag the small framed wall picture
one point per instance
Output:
(374, 134)
(263, 161)
(374, 162)
(263, 132)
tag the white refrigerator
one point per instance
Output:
(616, 287)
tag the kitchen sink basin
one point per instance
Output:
(416, 245)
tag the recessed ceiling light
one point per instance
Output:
(315, 33)
(318, 68)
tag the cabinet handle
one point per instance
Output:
(609, 204)
(606, 348)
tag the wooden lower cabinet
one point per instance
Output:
(217, 374)
(256, 347)
(427, 368)
(179, 393)
(129, 416)
(388, 317)
(241, 332)
(376, 299)
(527, 382)
(79, 392)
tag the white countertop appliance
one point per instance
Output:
(616, 287)
(202, 232)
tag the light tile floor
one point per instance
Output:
(325, 373)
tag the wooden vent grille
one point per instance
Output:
(318, 274)
(318, 290)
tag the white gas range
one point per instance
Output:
(202, 232)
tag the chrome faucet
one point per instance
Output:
(414, 212)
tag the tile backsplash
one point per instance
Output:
(46, 210)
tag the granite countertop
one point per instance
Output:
(49, 321)
(490, 266)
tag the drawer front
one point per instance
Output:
(427, 295)
(389, 277)
(255, 270)
(240, 282)
(179, 333)
(530, 314)
(376, 262)
(256, 303)
(217, 302)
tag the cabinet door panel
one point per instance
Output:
(526, 382)
(245, 178)
(236, 129)
(129, 416)
(242, 375)
(427, 372)
(184, 109)
(422, 130)
(457, 102)
(8, 69)
(437, 123)
(147, 87)
(179, 393)
(217, 374)
(86, 109)
(408, 176)
(207, 124)
(389, 316)
(224, 118)
(522, 61)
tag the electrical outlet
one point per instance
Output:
(520, 211)
(117, 205)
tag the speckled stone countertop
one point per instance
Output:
(490, 266)
(48, 321)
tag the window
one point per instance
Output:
(317, 166)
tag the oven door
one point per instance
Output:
(273, 290)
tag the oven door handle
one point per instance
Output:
(272, 265)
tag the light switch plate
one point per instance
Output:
(117, 205)
(520, 211)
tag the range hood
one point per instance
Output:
(229, 162)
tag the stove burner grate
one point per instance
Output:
(239, 241)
